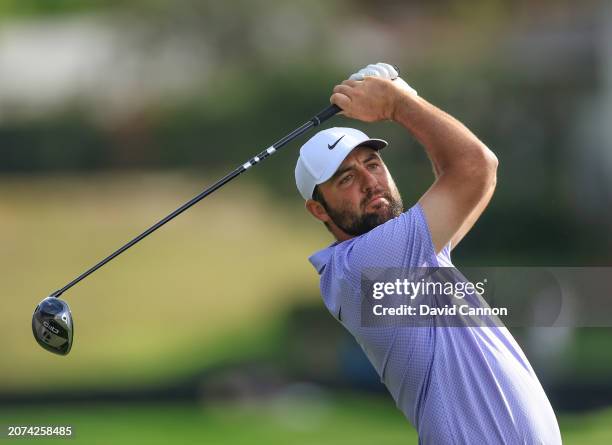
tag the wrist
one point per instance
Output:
(402, 102)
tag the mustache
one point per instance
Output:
(378, 192)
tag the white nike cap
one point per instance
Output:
(323, 153)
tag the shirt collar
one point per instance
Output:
(320, 259)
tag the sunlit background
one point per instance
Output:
(113, 113)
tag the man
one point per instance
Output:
(459, 385)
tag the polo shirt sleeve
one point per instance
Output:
(444, 256)
(402, 242)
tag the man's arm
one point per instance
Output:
(465, 167)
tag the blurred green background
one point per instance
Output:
(113, 113)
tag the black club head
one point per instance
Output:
(52, 325)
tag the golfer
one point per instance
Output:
(456, 385)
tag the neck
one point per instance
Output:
(339, 234)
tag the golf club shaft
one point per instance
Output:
(316, 120)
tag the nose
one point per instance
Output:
(368, 181)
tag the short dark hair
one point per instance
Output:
(318, 197)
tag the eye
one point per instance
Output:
(345, 179)
(374, 166)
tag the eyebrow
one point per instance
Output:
(341, 171)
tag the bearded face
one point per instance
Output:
(359, 196)
(375, 208)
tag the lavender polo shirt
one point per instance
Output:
(457, 385)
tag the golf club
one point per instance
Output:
(52, 323)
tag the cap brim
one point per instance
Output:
(376, 144)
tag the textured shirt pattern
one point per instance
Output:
(456, 385)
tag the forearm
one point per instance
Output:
(450, 146)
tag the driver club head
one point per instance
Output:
(52, 325)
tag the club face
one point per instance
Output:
(52, 325)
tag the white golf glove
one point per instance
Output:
(385, 71)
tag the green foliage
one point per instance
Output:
(30, 8)
(323, 419)
(326, 419)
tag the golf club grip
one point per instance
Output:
(330, 111)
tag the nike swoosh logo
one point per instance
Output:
(331, 147)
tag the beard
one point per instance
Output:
(356, 224)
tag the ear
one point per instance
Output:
(317, 210)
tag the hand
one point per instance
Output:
(385, 71)
(372, 93)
